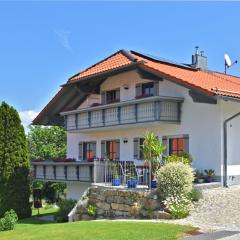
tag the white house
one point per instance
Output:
(108, 107)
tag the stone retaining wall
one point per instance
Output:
(120, 203)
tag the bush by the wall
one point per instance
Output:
(179, 207)
(195, 195)
(8, 221)
(65, 207)
(174, 179)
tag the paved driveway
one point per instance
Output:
(218, 210)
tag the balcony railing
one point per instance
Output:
(162, 109)
(92, 172)
(63, 171)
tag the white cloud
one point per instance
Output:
(64, 39)
(27, 117)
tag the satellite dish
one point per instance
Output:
(227, 60)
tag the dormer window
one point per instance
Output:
(147, 89)
(111, 96)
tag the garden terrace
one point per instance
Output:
(97, 171)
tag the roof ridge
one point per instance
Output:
(163, 60)
(123, 51)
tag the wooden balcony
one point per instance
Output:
(151, 109)
(63, 171)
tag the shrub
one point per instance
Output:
(179, 207)
(65, 207)
(8, 221)
(184, 158)
(52, 191)
(92, 210)
(14, 164)
(195, 195)
(174, 179)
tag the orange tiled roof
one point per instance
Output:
(114, 61)
(213, 83)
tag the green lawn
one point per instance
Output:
(34, 229)
(44, 211)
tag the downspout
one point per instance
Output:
(225, 148)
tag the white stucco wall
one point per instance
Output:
(201, 121)
(76, 189)
(228, 109)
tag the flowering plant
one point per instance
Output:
(179, 207)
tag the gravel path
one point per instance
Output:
(218, 210)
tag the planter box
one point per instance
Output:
(132, 183)
(116, 182)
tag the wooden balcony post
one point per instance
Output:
(89, 119)
(76, 121)
(91, 172)
(119, 115)
(44, 172)
(54, 172)
(136, 112)
(103, 117)
(65, 172)
(77, 172)
(35, 171)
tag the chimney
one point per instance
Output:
(199, 60)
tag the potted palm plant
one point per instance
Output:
(152, 150)
(210, 173)
(132, 181)
(199, 176)
(115, 174)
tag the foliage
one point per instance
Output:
(114, 169)
(209, 172)
(174, 179)
(178, 206)
(198, 174)
(52, 191)
(184, 158)
(92, 210)
(65, 207)
(152, 150)
(47, 142)
(195, 195)
(14, 164)
(8, 221)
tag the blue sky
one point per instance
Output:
(42, 44)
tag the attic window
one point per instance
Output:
(147, 89)
(111, 96)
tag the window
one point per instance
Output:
(148, 89)
(110, 149)
(138, 153)
(177, 146)
(110, 96)
(87, 150)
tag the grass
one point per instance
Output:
(35, 229)
(44, 211)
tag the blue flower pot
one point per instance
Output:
(116, 182)
(153, 184)
(132, 183)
